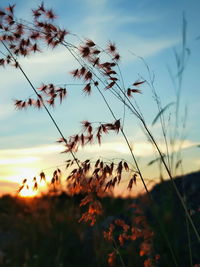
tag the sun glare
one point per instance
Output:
(28, 192)
(28, 182)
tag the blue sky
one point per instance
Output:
(148, 29)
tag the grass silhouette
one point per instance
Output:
(99, 69)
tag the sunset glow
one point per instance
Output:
(99, 140)
(28, 141)
(27, 179)
(28, 192)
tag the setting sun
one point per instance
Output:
(28, 192)
(100, 144)
(32, 186)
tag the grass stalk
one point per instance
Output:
(45, 107)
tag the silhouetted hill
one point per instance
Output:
(173, 219)
(188, 186)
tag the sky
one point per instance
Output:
(148, 29)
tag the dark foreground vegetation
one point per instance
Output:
(46, 231)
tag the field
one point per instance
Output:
(45, 231)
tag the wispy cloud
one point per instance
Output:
(6, 110)
(21, 160)
(18, 174)
(16, 163)
(48, 57)
(111, 21)
(51, 64)
(30, 151)
(141, 45)
(8, 187)
(142, 149)
(117, 20)
(33, 154)
(145, 47)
